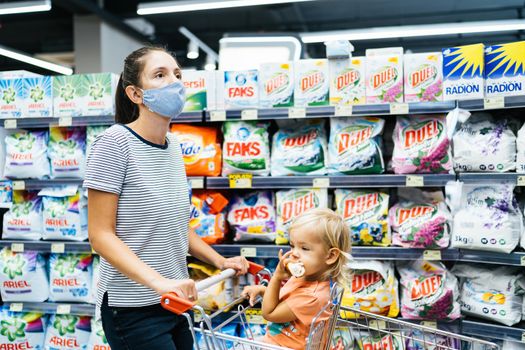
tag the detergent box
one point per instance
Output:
(423, 77)
(241, 89)
(99, 94)
(312, 83)
(384, 75)
(276, 84)
(463, 68)
(68, 95)
(37, 97)
(11, 98)
(200, 89)
(347, 81)
(505, 69)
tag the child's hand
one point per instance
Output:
(252, 292)
(281, 272)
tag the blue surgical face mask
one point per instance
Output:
(168, 101)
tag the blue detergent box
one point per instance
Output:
(463, 77)
(505, 69)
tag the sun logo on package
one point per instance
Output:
(13, 329)
(463, 62)
(351, 138)
(423, 76)
(300, 140)
(192, 146)
(421, 133)
(503, 59)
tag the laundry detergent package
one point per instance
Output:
(504, 70)
(99, 97)
(374, 288)
(219, 294)
(26, 155)
(421, 145)
(67, 332)
(420, 220)
(463, 71)
(276, 85)
(246, 148)
(23, 276)
(200, 90)
(312, 83)
(241, 89)
(11, 98)
(24, 219)
(37, 98)
(366, 214)
(252, 216)
(486, 217)
(208, 221)
(68, 95)
(378, 340)
(355, 146)
(520, 148)
(64, 213)
(484, 143)
(97, 339)
(67, 152)
(416, 339)
(292, 203)
(95, 280)
(92, 132)
(342, 339)
(423, 77)
(70, 277)
(428, 291)
(495, 294)
(201, 150)
(299, 148)
(347, 81)
(384, 76)
(22, 330)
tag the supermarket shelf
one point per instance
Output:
(493, 331)
(489, 178)
(487, 257)
(479, 104)
(53, 308)
(47, 246)
(350, 181)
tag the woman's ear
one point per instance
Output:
(134, 94)
(333, 255)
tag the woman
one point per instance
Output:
(139, 210)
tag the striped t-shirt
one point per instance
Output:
(153, 208)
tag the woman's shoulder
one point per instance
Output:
(114, 137)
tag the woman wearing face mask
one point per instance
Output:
(139, 210)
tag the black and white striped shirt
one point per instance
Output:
(153, 208)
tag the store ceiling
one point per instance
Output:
(52, 32)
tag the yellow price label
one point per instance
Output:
(65, 121)
(217, 116)
(399, 108)
(197, 184)
(10, 123)
(432, 255)
(17, 247)
(343, 111)
(255, 319)
(19, 185)
(494, 102)
(249, 252)
(297, 113)
(321, 182)
(249, 114)
(240, 180)
(415, 181)
(63, 309)
(58, 248)
(16, 307)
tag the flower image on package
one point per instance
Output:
(292, 203)
(421, 145)
(252, 216)
(299, 148)
(66, 151)
(423, 77)
(374, 288)
(484, 144)
(208, 221)
(97, 338)
(26, 155)
(68, 332)
(22, 330)
(23, 276)
(428, 291)
(366, 214)
(70, 277)
(24, 219)
(246, 148)
(355, 146)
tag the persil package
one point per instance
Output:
(252, 216)
(374, 288)
(428, 291)
(67, 332)
(26, 155)
(70, 277)
(495, 294)
(355, 146)
(246, 148)
(208, 216)
(24, 219)
(22, 330)
(299, 148)
(66, 151)
(486, 217)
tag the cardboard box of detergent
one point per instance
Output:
(99, 97)
(200, 89)
(423, 77)
(276, 85)
(37, 97)
(504, 69)
(11, 98)
(241, 89)
(312, 83)
(347, 81)
(68, 95)
(463, 68)
(384, 75)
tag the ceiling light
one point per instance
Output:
(210, 63)
(193, 50)
(24, 7)
(414, 31)
(35, 61)
(198, 5)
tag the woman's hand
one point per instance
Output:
(183, 288)
(252, 292)
(281, 272)
(238, 263)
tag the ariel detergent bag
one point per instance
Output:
(24, 219)
(67, 332)
(22, 330)
(26, 155)
(70, 277)
(66, 150)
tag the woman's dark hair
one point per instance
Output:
(127, 111)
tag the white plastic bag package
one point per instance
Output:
(95, 280)
(22, 330)
(252, 216)
(495, 294)
(97, 338)
(486, 217)
(67, 332)
(24, 219)
(26, 155)
(23, 276)
(512, 345)
(70, 277)
(67, 152)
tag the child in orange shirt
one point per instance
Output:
(320, 245)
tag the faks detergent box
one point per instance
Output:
(312, 83)
(423, 77)
(505, 69)
(384, 75)
(463, 68)
(200, 89)
(347, 81)
(241, 89)
(276, 85)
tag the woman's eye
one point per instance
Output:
(158, 75)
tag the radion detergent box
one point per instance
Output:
(505, 69)
(37, 97)
(276, 85)
(200, 89)
(384, 75)
(463, 68)
(241, 89)
(68, 95)
(423, 77)
(312, 83)
(347, 81)
(99, 94)
(11, 98)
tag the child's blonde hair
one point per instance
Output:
(335, 234)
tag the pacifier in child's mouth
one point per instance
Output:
(296, 269)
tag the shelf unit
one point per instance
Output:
(53, 308)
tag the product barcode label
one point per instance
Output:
(217, 116)
(19, 185)
(249, 252)
(432, 255)
(249, 114)
(520, 180)
(343, 111)
(429, 324)
(240, 180)
(399, 108)
(16, 307)
(17, 247)
(58, 248)
(415, 181)
(197, 183)
(10, 123)
(494, 102)
(297, 112)
(65, 121)
(63, 309)
(321, 182)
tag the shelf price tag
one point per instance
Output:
(432, 255)
(197, 317)
(240, 180)
(10, 123)
(297, 112)
(217, 116)
(255, 316)
(429, 324)
(17, 247)
(249, 114)
(415, 181)
(399, 108)
(523, 337)
(63, 309)
(522, 261)
(16, 307)
(197, 183)
(343, 110)
(321, 182)
(520, 180)
(494, 102)
(249, 252)
(19, 185)
(65, 121)
(58, 248)
(377, 324)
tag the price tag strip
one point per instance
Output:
(10, 123)
(343, 111)
(399, 108)
(494, 102)
(17, 247)
(297, 113)
(197, 183)
(434, 255)
(240, 180)
(65, 121)
(217, 116)
(249, 252)
(415, 181)
(16, 307)
(19, 185)
(58, 248)
(63, 309)
(249, 114)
